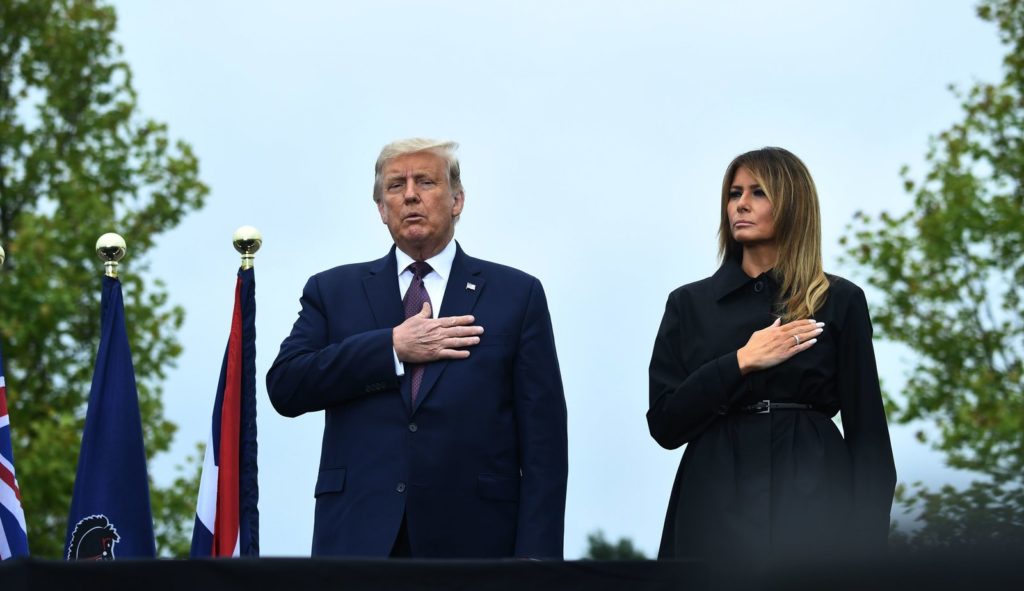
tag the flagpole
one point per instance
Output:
(13, 529)
(111, 248)
(110, 514)
(227, 512)
(247, 240)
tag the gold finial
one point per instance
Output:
(247, 241)
(3, 256)
(111, 248)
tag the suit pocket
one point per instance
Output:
(330, 481)
(498, 488)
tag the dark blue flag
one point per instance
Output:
(110, 514)
(227, 516)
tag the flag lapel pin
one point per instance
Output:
(470, 287)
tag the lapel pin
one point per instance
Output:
(470, 287)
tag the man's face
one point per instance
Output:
(417, 204)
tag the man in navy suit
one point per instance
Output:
(445, 430)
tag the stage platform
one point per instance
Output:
(296, 574)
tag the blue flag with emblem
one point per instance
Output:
(110, 512)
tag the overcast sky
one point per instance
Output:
(594, 137)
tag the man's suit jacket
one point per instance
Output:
(478, 466)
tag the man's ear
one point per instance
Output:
(460, 200)
(383, 215)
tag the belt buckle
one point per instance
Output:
(763, 407)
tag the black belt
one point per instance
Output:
(767, 406)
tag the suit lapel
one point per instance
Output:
(384, 297)
(381, 287)
(460, 297)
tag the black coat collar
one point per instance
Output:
(731, 276)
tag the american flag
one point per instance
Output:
(13, 539)
(227, 513)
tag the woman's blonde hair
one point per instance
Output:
(790, 189)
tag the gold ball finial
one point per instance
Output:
(110, 248)
(3, 256)
(247, 240)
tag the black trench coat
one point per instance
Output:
(783, 484)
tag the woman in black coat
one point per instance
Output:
(749, 367)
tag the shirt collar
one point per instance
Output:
(731, 276)
(441, 263)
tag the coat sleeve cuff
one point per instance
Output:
(399, 366)
(729, 376)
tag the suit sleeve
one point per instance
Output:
(683, 402)
(864, 426)
(543, 441)
(311, 373)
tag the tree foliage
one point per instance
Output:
(77, 160)
(599, 548)
(949, 271)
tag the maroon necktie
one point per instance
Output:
(414, 298)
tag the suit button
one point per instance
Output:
(759, 286)
(413, 427)
(400, 488)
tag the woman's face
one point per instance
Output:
(749, 210)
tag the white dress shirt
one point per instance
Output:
(436, 281)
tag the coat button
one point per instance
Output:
(400, 488)
(759, 286)
(413, 427)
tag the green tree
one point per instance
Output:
(949, 272)
(77, 160)
(599, 548)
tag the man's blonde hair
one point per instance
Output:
(443, 148)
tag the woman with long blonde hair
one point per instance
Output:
(749, 367)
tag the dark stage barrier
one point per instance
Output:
(292, 574)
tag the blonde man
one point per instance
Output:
(445, 420)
